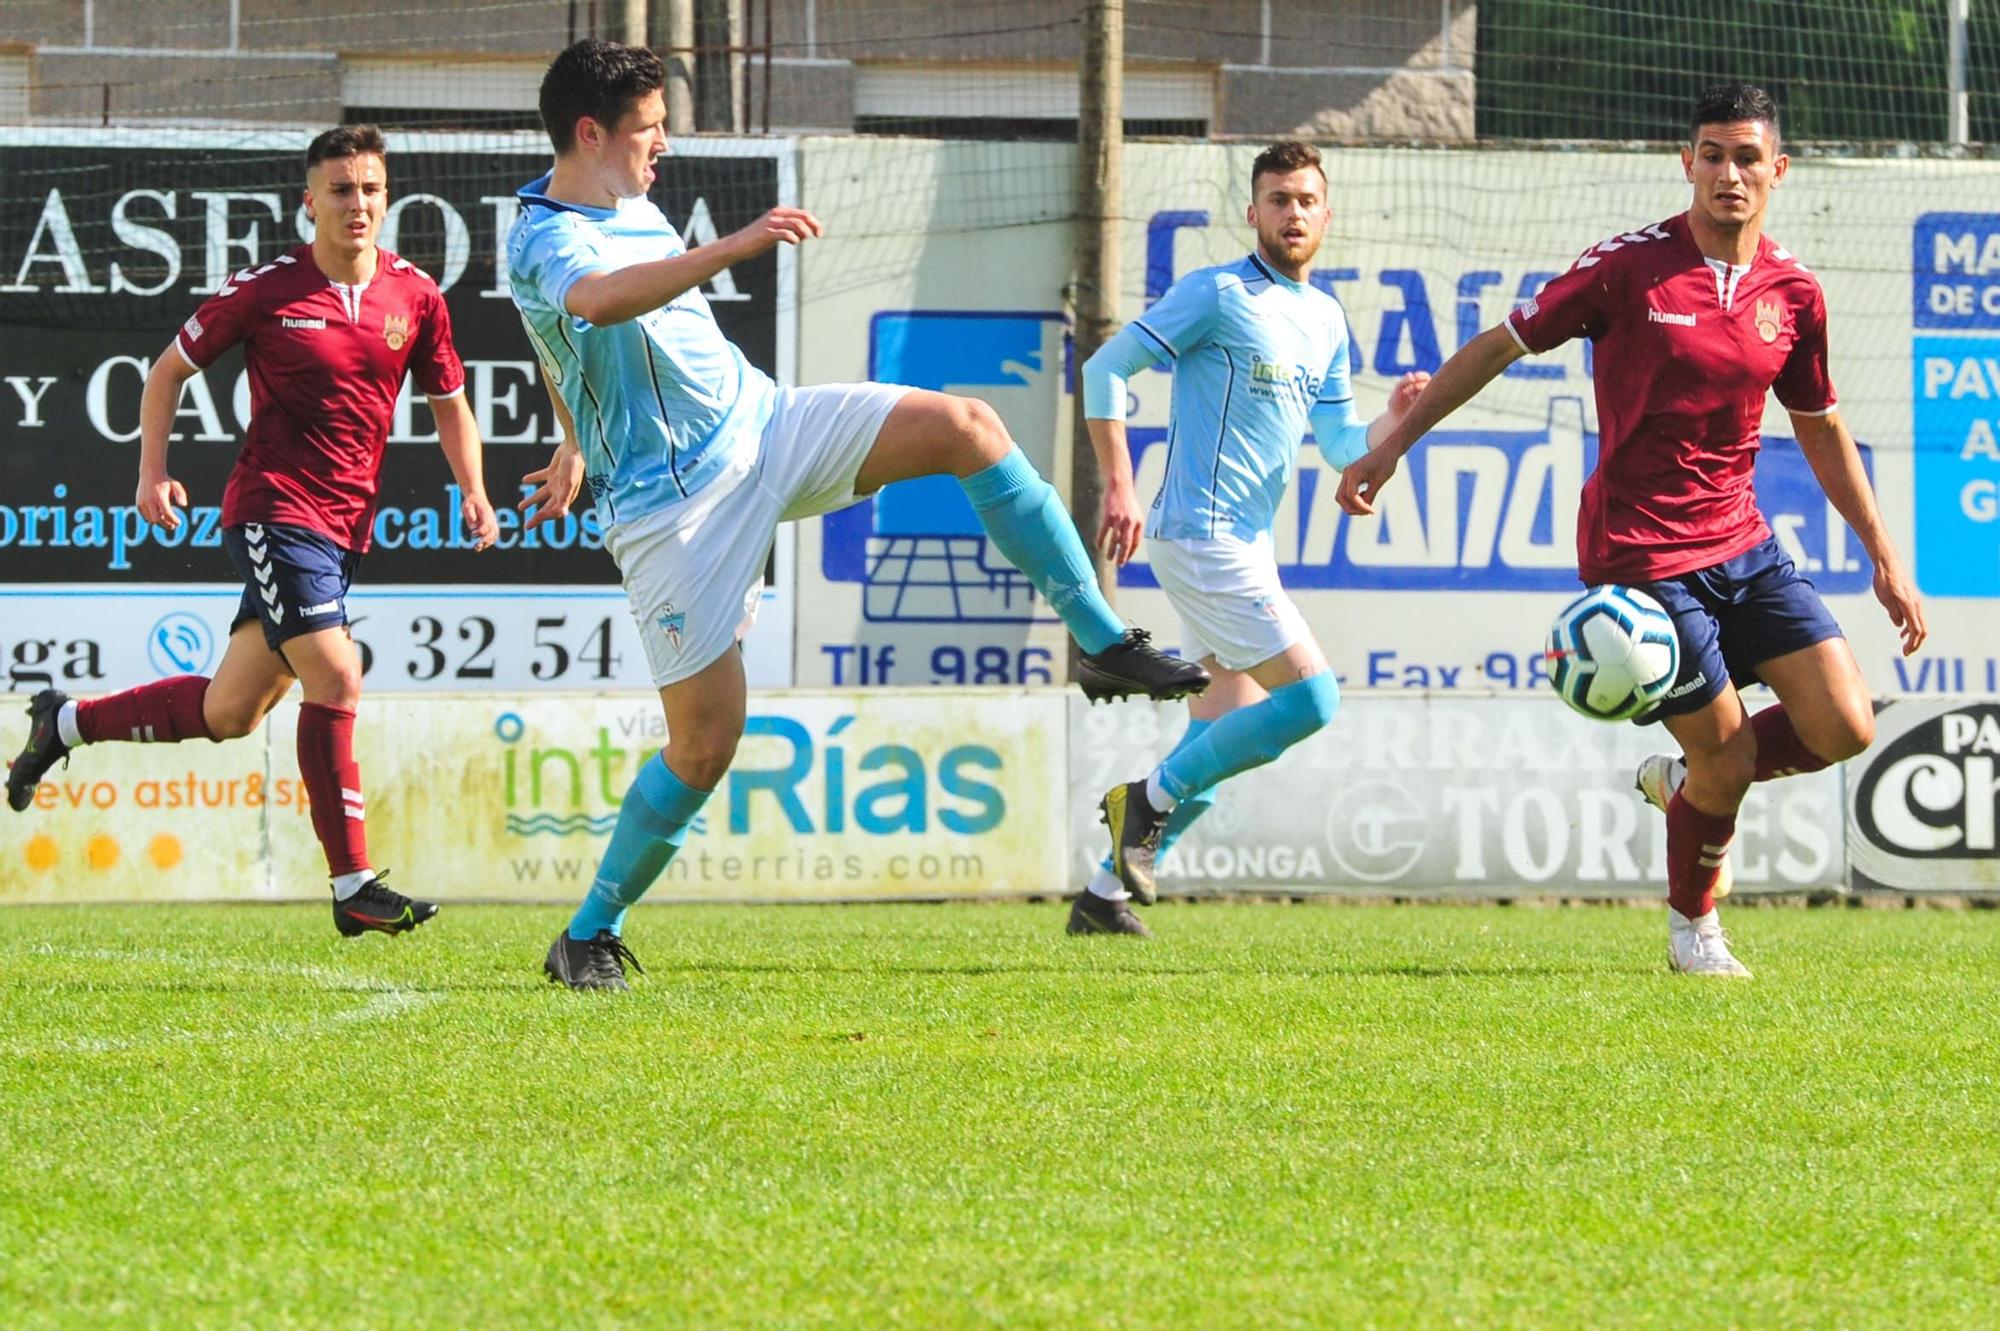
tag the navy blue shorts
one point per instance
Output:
(295, 579)
(1733, 617)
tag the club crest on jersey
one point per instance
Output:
(672, 622)
(1769, 320)
(396, 330)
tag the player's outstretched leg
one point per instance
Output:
(929, 434)
(1136, 813)
(160, 713)
(1104, 906)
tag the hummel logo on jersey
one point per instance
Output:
(1677, 320)
(1701, 678)
(290, 322)
(323, 608)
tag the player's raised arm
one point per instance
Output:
(1457, 381)
(1836, 462)
(1122, 517)
(614, 297)
(159, 494)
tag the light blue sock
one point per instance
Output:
(652, 823)
(1189, 808)
(1251, 736)
(1025, 518)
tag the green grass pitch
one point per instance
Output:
(954, 1116)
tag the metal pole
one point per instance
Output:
(679, 41)
(634, 27)
(1958, 129)
(1100, 152)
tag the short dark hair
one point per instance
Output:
(1729, 104)
(598, 79)
(346, 141)
(1283, 158)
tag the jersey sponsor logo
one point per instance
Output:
(192, 328)
(323, 608)
(1677, 320)
(289, 322)
(396, 330)
(1769, 320)
(1270, 378)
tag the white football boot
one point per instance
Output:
(1699, 947)
(1658, 778)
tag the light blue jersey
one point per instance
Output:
(1257, 359)
(662, 402)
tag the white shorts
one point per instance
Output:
(1227, 593)
(695, 572)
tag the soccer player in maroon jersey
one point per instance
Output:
(329, 331)
(1694, 320)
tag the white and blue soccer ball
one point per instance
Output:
(1613, 653)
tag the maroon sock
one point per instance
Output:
(333, 785)
(1693, 857)
(1780, 751)
(161, 713)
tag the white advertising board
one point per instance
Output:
(1442, 793)
(1453, 584)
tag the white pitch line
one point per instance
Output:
(386, 1001)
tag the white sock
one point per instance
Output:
(346, 885)
(66, 724)
(1104, 883)
(1158, 796)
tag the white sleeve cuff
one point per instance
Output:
(1515, 333)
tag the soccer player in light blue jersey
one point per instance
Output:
(1258, 356)
(693, 456)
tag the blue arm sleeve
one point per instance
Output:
(1341, 435)
(1105, 373)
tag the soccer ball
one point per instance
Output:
(1613, 653)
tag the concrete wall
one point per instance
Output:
(1348, 69)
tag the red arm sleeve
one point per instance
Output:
(1805, 385)
(1570, 306)
(434, 364)
(223, 320)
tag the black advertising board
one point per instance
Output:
(108, 241)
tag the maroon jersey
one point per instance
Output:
(1686, 350)
(326, 362)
